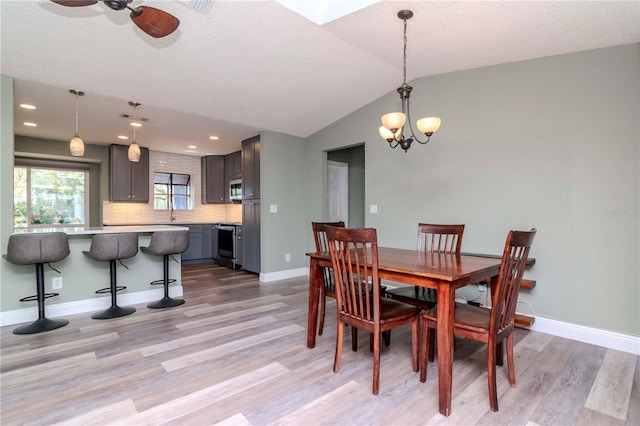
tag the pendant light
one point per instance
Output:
(76, 145)
(392, 129)
(134, 148)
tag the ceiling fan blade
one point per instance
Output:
(75, 3)
(155, 22)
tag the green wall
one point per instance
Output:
(551, 143)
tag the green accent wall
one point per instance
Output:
(551, 143)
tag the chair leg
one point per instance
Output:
(491, 376)
(387, 337)
(432, 344)
(42, 323)
(114, 311)
(323, 305)
(354, 339)
(166, 301)
(338, 355)
(424, 349)
(415, 343)
(511, 365)
(376, 362)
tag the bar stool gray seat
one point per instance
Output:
(113, 247)
(38, 249)
(165, 244)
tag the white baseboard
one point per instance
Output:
(88, 305)
(283, 275)
(595, 336)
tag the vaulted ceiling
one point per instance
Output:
(239, 67)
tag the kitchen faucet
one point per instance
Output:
(172, 216)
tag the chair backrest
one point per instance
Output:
(320, 233)
(354, 255)
(168, 242)
(505, 293)
(45, 247)
(440, 238)
(113, 246)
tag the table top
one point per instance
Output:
(439, 266)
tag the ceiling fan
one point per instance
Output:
(155, 22)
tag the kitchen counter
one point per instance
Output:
(93, 230)
(82, 276)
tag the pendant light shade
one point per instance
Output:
(76, 145)
(134, 148)
(134, 152)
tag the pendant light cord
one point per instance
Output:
(404, 57)
(76, 114)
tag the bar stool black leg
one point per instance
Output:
(166, 301)
(114, 311)
(42, 323)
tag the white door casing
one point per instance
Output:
(338, 191)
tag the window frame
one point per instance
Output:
(171, 194)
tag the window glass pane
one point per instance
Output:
(49, 196)
(57, 196)
(20, 196)
(162, 178)
(171, 191)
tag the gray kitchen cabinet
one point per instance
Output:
(128, 181)
(251, 235)
(201, 243)
(251, 168)
(232, 170)
(213, 179)
(194, 251)
(214, 241)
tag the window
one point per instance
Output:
(50, 195)
(171, 191)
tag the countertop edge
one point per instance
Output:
(106, 229)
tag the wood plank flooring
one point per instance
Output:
(235, 354)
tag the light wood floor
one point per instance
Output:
(235, 354)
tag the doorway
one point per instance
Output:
(350, 162)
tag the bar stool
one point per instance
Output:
(113, 247)
(38, 249)
(165, 244)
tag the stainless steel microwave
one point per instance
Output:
(235, 190)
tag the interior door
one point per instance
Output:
(338, 191)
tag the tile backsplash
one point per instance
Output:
(139, 213)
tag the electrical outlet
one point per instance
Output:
(287, 257)
(56, 283)
(482, 288)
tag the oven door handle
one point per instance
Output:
(225, 228)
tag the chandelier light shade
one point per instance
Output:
(76, 145)
(134, 148)
(393, 124)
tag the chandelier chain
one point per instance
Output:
(404, 57)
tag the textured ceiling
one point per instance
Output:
(245, 66)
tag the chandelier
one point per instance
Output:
(392, 129)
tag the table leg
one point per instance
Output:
(315, 280)
(445, 307)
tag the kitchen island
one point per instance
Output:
(82, 276)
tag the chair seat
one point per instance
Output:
(467, 317)
(416, 296)
(396, 311)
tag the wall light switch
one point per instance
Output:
(373, 208)
(273, 208)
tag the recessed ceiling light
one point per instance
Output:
(189, 150)
(192, 147)
(136, 124)
(27, 106)
(213, 138)
(123, 137)
(29, 124)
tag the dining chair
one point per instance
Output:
(328, 288)
(490, 326)
(432, 238)
(354, 256)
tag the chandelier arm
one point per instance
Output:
(413, 134)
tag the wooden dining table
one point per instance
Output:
(443, 272)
